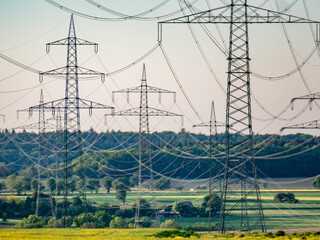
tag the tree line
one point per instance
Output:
(113, 153)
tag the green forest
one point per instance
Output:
(177, 155)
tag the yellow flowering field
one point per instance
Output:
(119, 234)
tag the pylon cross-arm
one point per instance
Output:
(61, 104)
(255, 15)
(307, 125)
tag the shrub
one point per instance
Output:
(32, 221)
(52, 223)
(118, 222)
(199, 226)
(83, 219)
(4, 217)
(175, 233)
(144, 222)
(65, 221)
(172, 224)
(102, 219)
(280, 233)
(285, 197)
(130, 222)
(268, 235)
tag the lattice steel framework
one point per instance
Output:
(42, 130)
(315, 124)
(41, 126)
(215, 166)
(144, 112)
(244, 203)
(71, 105)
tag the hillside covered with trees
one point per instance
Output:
(177, 155)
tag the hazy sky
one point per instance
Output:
(26, 26)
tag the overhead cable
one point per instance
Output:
(21, 65)
(111, 19)
(294, 56)
(136, 16)
(178, 82)
(316, 47)
(135, 62)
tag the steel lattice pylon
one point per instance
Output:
(71, 105)
(42, 130)
(215, 166)
(41, 126)
(239, 123)
(240, 164)
(144, 112)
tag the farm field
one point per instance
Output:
(123, 234)
(305, 214)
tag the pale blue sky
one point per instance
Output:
(26, 26)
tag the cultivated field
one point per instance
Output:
(130, 234)
(304, 215)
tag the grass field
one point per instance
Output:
(305, 214)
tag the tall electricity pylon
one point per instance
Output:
(240, 166)
(42, 155)
(215, 165)
(144, 112)
(71, 105)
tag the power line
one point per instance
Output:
(111, 19)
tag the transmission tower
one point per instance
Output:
(71, 105)
(144, 112)
(42, 155)
(215, 165)
(240, 166)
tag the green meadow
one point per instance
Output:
(305, 214)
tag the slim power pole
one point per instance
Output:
(144, 112)
(215, 166)
(71, 105)
(240, 166)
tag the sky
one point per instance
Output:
(26, 27)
